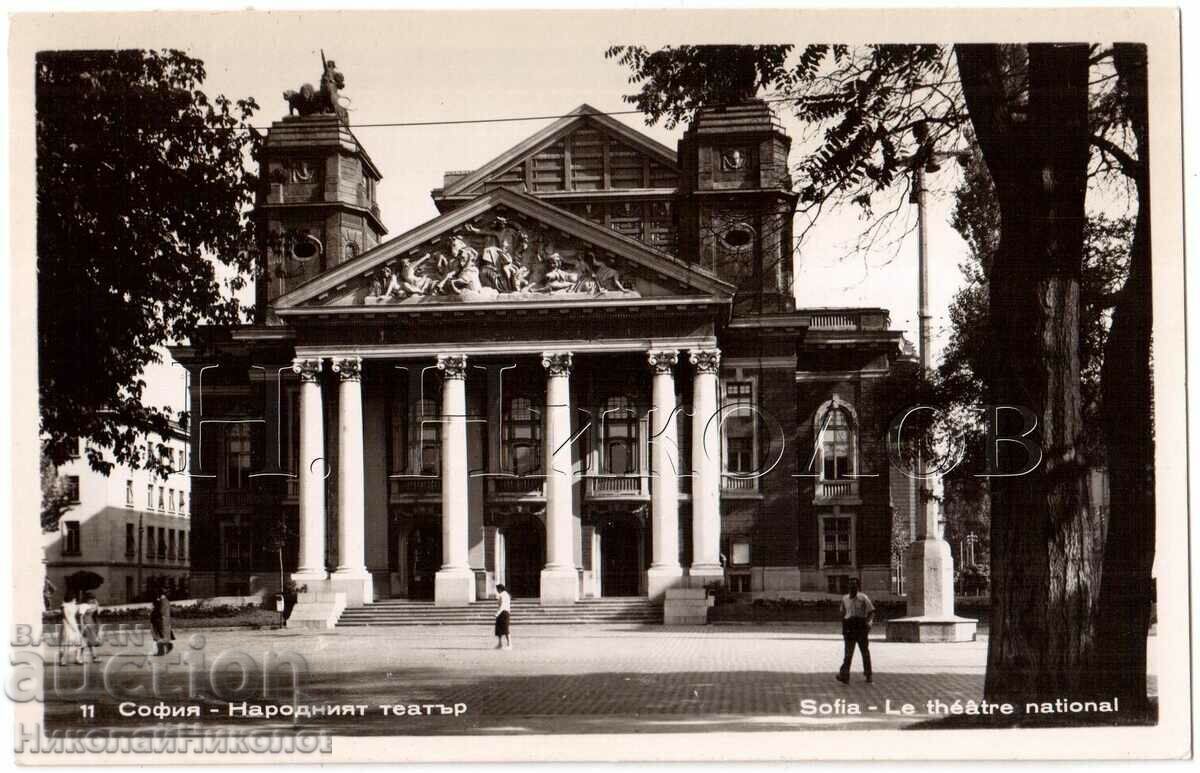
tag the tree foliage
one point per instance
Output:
(55, 501)
(1043, 120)
(143, 189)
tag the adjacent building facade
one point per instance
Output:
(130, 527)
(585, 377)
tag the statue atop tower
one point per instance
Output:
(307, 101)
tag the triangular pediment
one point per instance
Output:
(583, 151)
(505, 247)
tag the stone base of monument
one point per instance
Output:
(931, 629)
(930, 569)
(317, 610)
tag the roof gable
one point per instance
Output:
(505, 246)
(585, 150)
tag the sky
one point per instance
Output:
(417, 67)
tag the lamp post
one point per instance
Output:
(929, 563)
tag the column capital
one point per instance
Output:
(662, 360)
(309, 369)
(453, 366)
(348, 368)
(706, 360)
(557, 363)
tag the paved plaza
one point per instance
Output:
(565, 679)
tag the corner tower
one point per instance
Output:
(316, 207)
(736, 203)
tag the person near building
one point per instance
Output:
(503, 615)
(160, 624)
(858, 614)
(89, 631)
(69, 638)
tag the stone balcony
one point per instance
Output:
(836, 492)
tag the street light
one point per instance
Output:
(930, 597)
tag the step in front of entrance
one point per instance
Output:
(634, 610)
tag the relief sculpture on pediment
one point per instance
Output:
(497, 257)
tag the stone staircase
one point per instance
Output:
(629, 610)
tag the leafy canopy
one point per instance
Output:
(143, 192)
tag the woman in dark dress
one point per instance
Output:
(503, 612)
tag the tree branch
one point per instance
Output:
(1130, 165)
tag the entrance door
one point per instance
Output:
(424, 559)
(620, 558)
(524, 558)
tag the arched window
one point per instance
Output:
(619, 444)
(838, 443)
(429, 453)
(522, 436)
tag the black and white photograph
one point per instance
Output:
(415, 386)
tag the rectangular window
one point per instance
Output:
(162, 542)
(237, 547)
(150, 543)
(161, 499)
(71, 545)
(70, 488)
(149, 497)
(836, 540)
(838, 583)
(171, 545)
(171, 500)
(129, 493)
(740, 554)
(739, 431)
(182, 503)
(237, 456)
(183, 545)
(130, 540)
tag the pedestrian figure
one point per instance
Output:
(88, 630)
(69, 639)
(858, 613)
(503, 610)
(160, 624)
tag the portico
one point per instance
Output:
(586, 376)
(557, 493)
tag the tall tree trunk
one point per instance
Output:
(1046, 540)
(1123, 623)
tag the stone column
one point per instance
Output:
(454, 583)
(664, 569)
(559, 580)
(312, 467)
(351, 576)
(706, 469)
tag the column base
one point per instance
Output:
(660, 579)
(357, 584)
(700, 576)
(316, 581)
(559, 587)
(453, 587)
(317, 610)
(931, 629)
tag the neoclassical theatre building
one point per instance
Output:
(585, 377)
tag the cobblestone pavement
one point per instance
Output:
(556, 679)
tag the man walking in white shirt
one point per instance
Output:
(858, 613)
